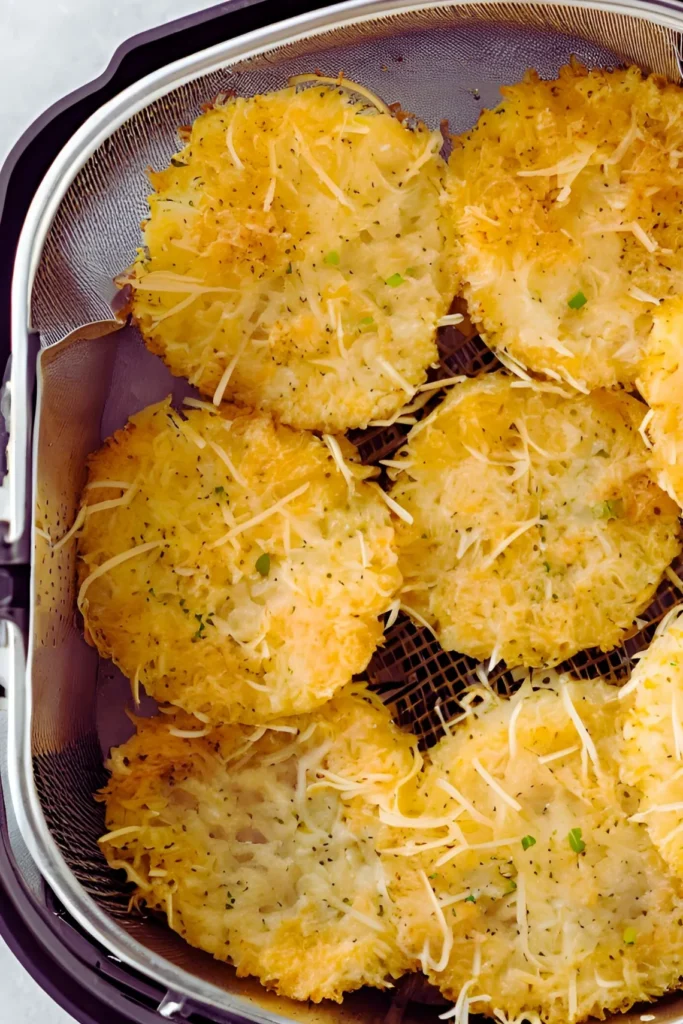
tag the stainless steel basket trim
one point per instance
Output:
(646, 32)
(99, 127)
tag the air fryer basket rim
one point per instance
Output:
(39, 218)
(112, 114)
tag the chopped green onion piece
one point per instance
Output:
(411, 271)
(577, 301)
(263, 564)
(395, 280)
(366, 321)
(612, 509)
(575, 841)
(332, 258)
(471, 898)
(528, 841)
(630, 936)
(511, 886)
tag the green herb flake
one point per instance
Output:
(546, 566)
(263, 564)
(612, 509)
(577, 301)
(528, 841)
(177, 163)
(289, 269)
(575, 841)
(630, 936)
(395, 280)
(471, 898)
(367, 321)
(511, 885)
(332, 259)
(219, 490)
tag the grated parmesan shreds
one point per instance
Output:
(551, 924)
(559, 194)
(237, 872)
(521, 538)
(245, 304)
(258, 576)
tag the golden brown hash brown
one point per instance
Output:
(248, 570)
(258, 843)
(568, 206)
(537, 528)
(295, 257)
(522, 883)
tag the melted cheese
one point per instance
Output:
(297, 256)
(535, 928)
(537, 528)
(230, 580)
(288, 892)
(531, 524)
(568, 191)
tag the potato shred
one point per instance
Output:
(240, 568)
(567, 205)
(258, 843)
(296, 257)
(537, 529)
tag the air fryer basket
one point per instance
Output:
(440, 61)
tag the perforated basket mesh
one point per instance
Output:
(441, 61)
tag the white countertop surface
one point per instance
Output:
(47, 49)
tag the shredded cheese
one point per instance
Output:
(605, 142)
(540, 920)
(312, 244)
(259, 579)
(336, 452)
(514, 495)
(112, 563)
(586, 741)
(289, 892)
